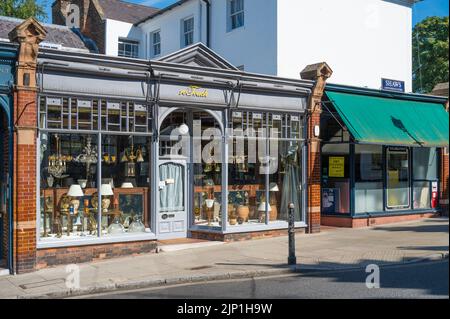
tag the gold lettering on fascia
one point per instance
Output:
(194, 91)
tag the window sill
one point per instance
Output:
(236, 229)
(58, 243)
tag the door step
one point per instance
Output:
(177, 245)
(4, 272)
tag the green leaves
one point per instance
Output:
(430, 54)
(23, 9)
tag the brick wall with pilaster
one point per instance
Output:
(444, 187)
(314, 187)
(25, 179)
(5, 169)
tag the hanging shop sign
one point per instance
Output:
(393, 85)
(337, 166)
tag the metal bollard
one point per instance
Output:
(292, 259)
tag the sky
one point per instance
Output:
(421, 10)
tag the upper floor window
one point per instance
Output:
(155, 38)
(236, 14)
(188, 31)
(128, 48)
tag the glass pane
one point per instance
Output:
(126, 176)
(422, 195)
(425, 164)
(68, 175)
(247, 201)
(398, 178)
(369, 178)
(172, 195)
(207, 172)
(285, 181)
(335, 178)
(368, 197)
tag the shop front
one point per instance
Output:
(380, 156)
(130, 152)
(8, 55)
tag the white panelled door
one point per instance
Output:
(172, 216)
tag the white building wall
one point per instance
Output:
(362, 41)
(254, 45)
(170, 25)
(117, 29)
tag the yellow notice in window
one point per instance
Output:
(336, 166)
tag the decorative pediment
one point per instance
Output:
(198, 55)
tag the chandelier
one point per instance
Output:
(57, 163)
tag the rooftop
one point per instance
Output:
(57, 36)
(125, 11)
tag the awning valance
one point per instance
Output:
(389, 121)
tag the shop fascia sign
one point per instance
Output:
(194, 91)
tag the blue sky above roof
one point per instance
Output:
(421, 10)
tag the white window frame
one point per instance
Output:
(185, 33)
(231, 15)
(130, 42)
(153, 43)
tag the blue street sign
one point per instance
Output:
(393, 85)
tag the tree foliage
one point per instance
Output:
(23, 9)
(430, 53)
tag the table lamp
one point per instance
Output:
(106, 191)
(75, 192)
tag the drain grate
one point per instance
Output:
(40, 284)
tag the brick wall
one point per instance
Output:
(95, 28)
(84, 254)
(91, 23)
(348, 222)
(204, 235)
(314, 187)
(24, 149)
(5, 168)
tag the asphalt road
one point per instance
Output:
(418, 280)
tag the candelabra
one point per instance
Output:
(88, 157)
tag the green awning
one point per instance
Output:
(389, 121)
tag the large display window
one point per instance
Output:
(425, 173)
(93, 183)
(368, 178)
(398, 178)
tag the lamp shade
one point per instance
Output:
(127, 185)
(183, 129)
(273, 187)
(106, 190)
(75, 191)
(262, 207)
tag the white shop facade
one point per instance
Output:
(189, 146)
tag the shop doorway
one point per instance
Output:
(185, 180)
(172, 216)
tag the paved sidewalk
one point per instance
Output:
(331, 249)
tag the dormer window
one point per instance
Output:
(128, 48)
